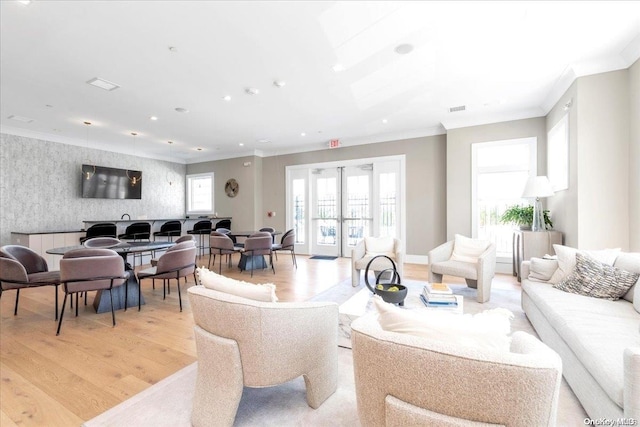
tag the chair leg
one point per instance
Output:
(139, 292)
(56, 291)
(64, 303)
(113, 313)
(180, 296)
(76, 304)
(293, 255)
(164, 289)
(15, 310)
(126, 294)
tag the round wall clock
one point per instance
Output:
(231, 188)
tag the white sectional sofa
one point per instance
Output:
(597, 339)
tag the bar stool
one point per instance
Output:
(201, 228)
(169, 229)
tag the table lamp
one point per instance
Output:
(538, 186)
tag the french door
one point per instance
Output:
(333, 206)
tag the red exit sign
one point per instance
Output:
(334, 143)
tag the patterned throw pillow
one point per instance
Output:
(595, 279)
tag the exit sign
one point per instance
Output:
(334, 143)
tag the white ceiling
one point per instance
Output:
(502, 60)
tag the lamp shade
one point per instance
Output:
(538, 186)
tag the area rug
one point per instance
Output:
(323, 257)
(168, 403)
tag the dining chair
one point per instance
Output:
(221, 244)
(258, 245)
(270, 230)
(20, 268)
(225, 223)
(287, 243)
(91, 269)
(178, 261)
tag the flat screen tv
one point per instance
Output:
(100, 182)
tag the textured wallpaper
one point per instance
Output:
(40, 187)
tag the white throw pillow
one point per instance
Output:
(379, 246)
(468, 250)
(567, 260)
(541, 270)
(264, 292)
(487, 330)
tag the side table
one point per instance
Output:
(528, 244)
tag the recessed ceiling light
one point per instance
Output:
(134, 133)
(241, 144)
(385, 121)
(227, 97)
(25, 2)
(182, 110)
(20, 119)
(154, 118)
(338, 68)
(279, 83)
(264, 140)
(252, 91)
(49, 106)
(403, 49)
(303, 134)
(199, 149)
(103, 84)
(173, 49)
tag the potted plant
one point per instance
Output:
(522, 216)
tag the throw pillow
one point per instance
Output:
(468, 250)
(630, 262)
(595, 279)
(379, 246)
(541, 269)
(567, 260)
(211, 280)
(487, 330)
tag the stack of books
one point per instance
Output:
(438, 295)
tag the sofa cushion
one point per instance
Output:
(595, 279)
(486, 330)
(455, 268)
(468, 250)
(541, 270)
(211, 280)
(631, 262)
(596, 330)
(567, 259)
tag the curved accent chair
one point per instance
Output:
(20, 268)
(472, 259)
(178, 261)
(91, 269)
(246, 343)
(402, 379)
(287, 243)
(370, 247)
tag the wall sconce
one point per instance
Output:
(134, 176)
(88, 169)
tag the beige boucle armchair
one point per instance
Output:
(477, 274)
(407, 380)
(368, 248)
(242, 342)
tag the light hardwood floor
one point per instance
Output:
(68, 379)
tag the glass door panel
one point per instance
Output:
(356, 205)
(326, 209)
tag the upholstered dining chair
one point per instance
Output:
(472, 259)
(177, 262)
(258, 244)
(21, 268)
(269, 230)
(137, 231)
(224, 223)
(221, 244)
(287, 243)
(91, 269)
(370, 247)
(401, 379)
(246, 343)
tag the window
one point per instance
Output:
(200, 193)
(500, 171)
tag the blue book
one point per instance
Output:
(438, 304)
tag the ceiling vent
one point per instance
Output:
(458, 108)
(20, 119)
(103, 84)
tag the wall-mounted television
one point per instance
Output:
(100, 182)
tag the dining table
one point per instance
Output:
(101, 304)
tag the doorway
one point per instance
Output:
(332, 206)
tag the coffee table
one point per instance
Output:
(362, 303)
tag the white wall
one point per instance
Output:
(634, 157)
